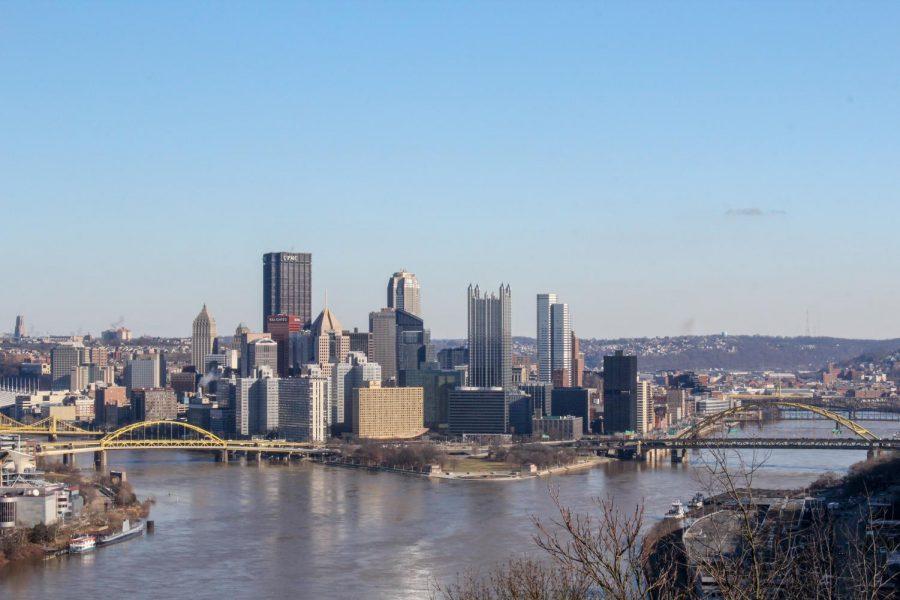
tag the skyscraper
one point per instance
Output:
(414, 349)
(383, 327)
(620, 393)
(403, 292)
(490, 338)
(287, 285)
(280, 327)
(544, 336)
(202, 338)
(62, 359)
(20, 331)
(577, 362)
(554, 341)
(561, 350)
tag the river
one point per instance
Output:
(309, 531)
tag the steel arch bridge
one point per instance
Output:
(700, 428)
(169, 434)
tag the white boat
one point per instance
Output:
(83, 543)
(677, 511)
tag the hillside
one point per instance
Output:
(733, 352)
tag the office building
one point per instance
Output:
(20, 331)
(287, 286)
(183, 383)
(280, 327)
(154, 405)
(62, 359)
(571, 401)
(383, 327)
(489, 336)
(262, 354)
(360, 341)
(542, 394)
(450, 358)
(619, 393)
(356, 372)
(577, 362)
(544, 337)
(436, 386)
(414, 349)
(243, 338)
(111, 407)
(303, 408)
(142, 372)
(521, 412)
(558, 428)
(403, 293)
(203, 334)
(478, 410)
(388, 413)
(330, 343)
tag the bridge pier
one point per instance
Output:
(68, 458)
(100, 460)
(678, 456)
(222, 456)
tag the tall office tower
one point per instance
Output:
(544, 336)
(203, 335)
(262, 354)
(383, 327)
(643, 408)
(280, 327)
(287, 285)
(414, 349)
(62, 359)
(619, 392)
(561, 351)
(577, 362)
(303, 408)
(450, 358)
(490, 338)
(20, 331)
(403, 292)
(331, 345)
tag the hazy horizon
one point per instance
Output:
(665, 171)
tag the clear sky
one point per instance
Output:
(666, 168)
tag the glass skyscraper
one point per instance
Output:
(287, 286)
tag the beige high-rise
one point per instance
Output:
(202, 337)
(388, 413)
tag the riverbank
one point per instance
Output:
(435, 472)
(99, 505)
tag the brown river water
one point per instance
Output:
(308, 531)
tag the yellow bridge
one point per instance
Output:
(50, 426)
(169, 435)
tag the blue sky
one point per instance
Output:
(666, 168)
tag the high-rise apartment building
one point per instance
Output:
(303, 408)
(490, 339)
(287, 285)
(203, 334)
(403, 292)
(643, 408)
(256, 405)
(383, 327)
(387, 413)
(619, 393)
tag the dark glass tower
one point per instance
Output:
(287, 286)
(619, 393)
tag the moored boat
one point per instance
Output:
(82, 543)
(677, 511)
(128, 531)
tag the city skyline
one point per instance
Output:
(726, 172)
